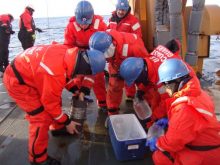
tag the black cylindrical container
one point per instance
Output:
(77, 112)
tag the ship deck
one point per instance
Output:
(91, 147)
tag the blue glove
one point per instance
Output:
(152, 144)
(163, 122)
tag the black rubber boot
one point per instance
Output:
(2, 69)
(48, 161)
(104, 109)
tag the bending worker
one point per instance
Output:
(193, 130)
(123, 21)
(144, 73)
(35, 80)
(5, 34)
(116, 46)
(26, 34)
(77, 33)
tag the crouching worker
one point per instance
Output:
(144, 74)
(36, 78)
(193, 130)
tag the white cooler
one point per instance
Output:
(127, 136)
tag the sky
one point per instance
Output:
(61, 8)
(53, 8)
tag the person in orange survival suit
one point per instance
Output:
(35, 80)
(77, 33)
(123, 21)
(116, 46)
(144, 73)
(5, 34)
(193, 129)
(26, 34)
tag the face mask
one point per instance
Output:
(83, 66)
(143, 77)
(110, 52)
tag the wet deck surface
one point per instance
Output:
(91, 147)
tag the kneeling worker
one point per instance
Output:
(193, 130)
(36, 78)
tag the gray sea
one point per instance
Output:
(54, 31)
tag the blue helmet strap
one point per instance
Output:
(82, 65)
(143, 77)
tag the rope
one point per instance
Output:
(48, 20)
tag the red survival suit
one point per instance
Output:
(76, 36)
(155, 59)
(193, 129)
(43, 71)
(129, 24)
(27, 28)
(5, 33)
(126, 45)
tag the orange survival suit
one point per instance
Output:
(76, 36)
(129, 24)
(27, 28)
(193, 133)
(41, 74)
(126, 45)
(157, 98)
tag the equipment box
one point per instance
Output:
(127, 137)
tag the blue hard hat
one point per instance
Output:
(100, 41)
(122, 4)
(131, 68)
(172, 69)
(84, 13)
(96, 60)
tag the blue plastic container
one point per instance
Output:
(129, 143)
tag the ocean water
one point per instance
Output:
(54, 31)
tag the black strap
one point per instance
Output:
(17, 74)
(102, 102)
(36, 111)
(167, 154)
(113, 109)
(202, 148)
(114, 75)
(118, 76)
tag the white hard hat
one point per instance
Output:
(31, 6)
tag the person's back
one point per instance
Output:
(36, 78)
(116, 46)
